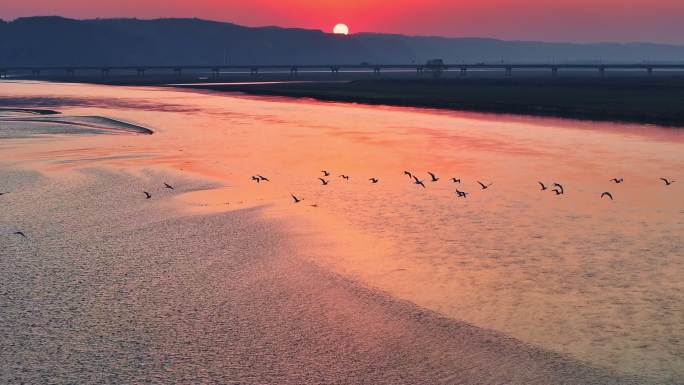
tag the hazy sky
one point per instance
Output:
(556, 20)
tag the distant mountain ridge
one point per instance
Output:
(52, 40)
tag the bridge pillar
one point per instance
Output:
(216, 72)
(509, 71)
(334, 70)
(70, 71)
(554, 71)
(464, 71)
(294, 71)
(35, 72)
(420, 71)
(376, 71)
(650, 70)
(254, 71)
(602, 71)
(140, 72)
(104, 72)
(178, 72)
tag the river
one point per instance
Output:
(596, 279)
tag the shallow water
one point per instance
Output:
(599, 280)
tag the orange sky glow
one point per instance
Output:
(553, 20)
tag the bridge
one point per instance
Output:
(377, 69)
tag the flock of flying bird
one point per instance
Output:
(417, 181)
(558, 188)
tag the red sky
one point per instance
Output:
(552, 20)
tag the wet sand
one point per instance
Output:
(23, 123)
(110, 288)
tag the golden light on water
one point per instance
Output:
(486, 259)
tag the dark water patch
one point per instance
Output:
(29, 111)
(612, 100)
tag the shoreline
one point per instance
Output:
(656, 100)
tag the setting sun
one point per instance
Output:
(341, 29)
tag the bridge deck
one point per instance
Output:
(503, 66)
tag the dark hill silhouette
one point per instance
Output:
(61, 41)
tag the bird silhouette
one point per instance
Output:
(168, 186)
(325, 173)
(147, 195)
(418, 181)
(296, 200)
(484, 186)
(461, 194)
(543, 187)
(256, 179)
(607, 194)
(323, 181)
(433, 176)
(263, 178)
(345, 177)
(560, 187)
(3, 193)
(455, 180)
(667, 182)
(617, 180)
(314, 205)
(409, 174)
(374, 180)
(558, 192)
(20, 233)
